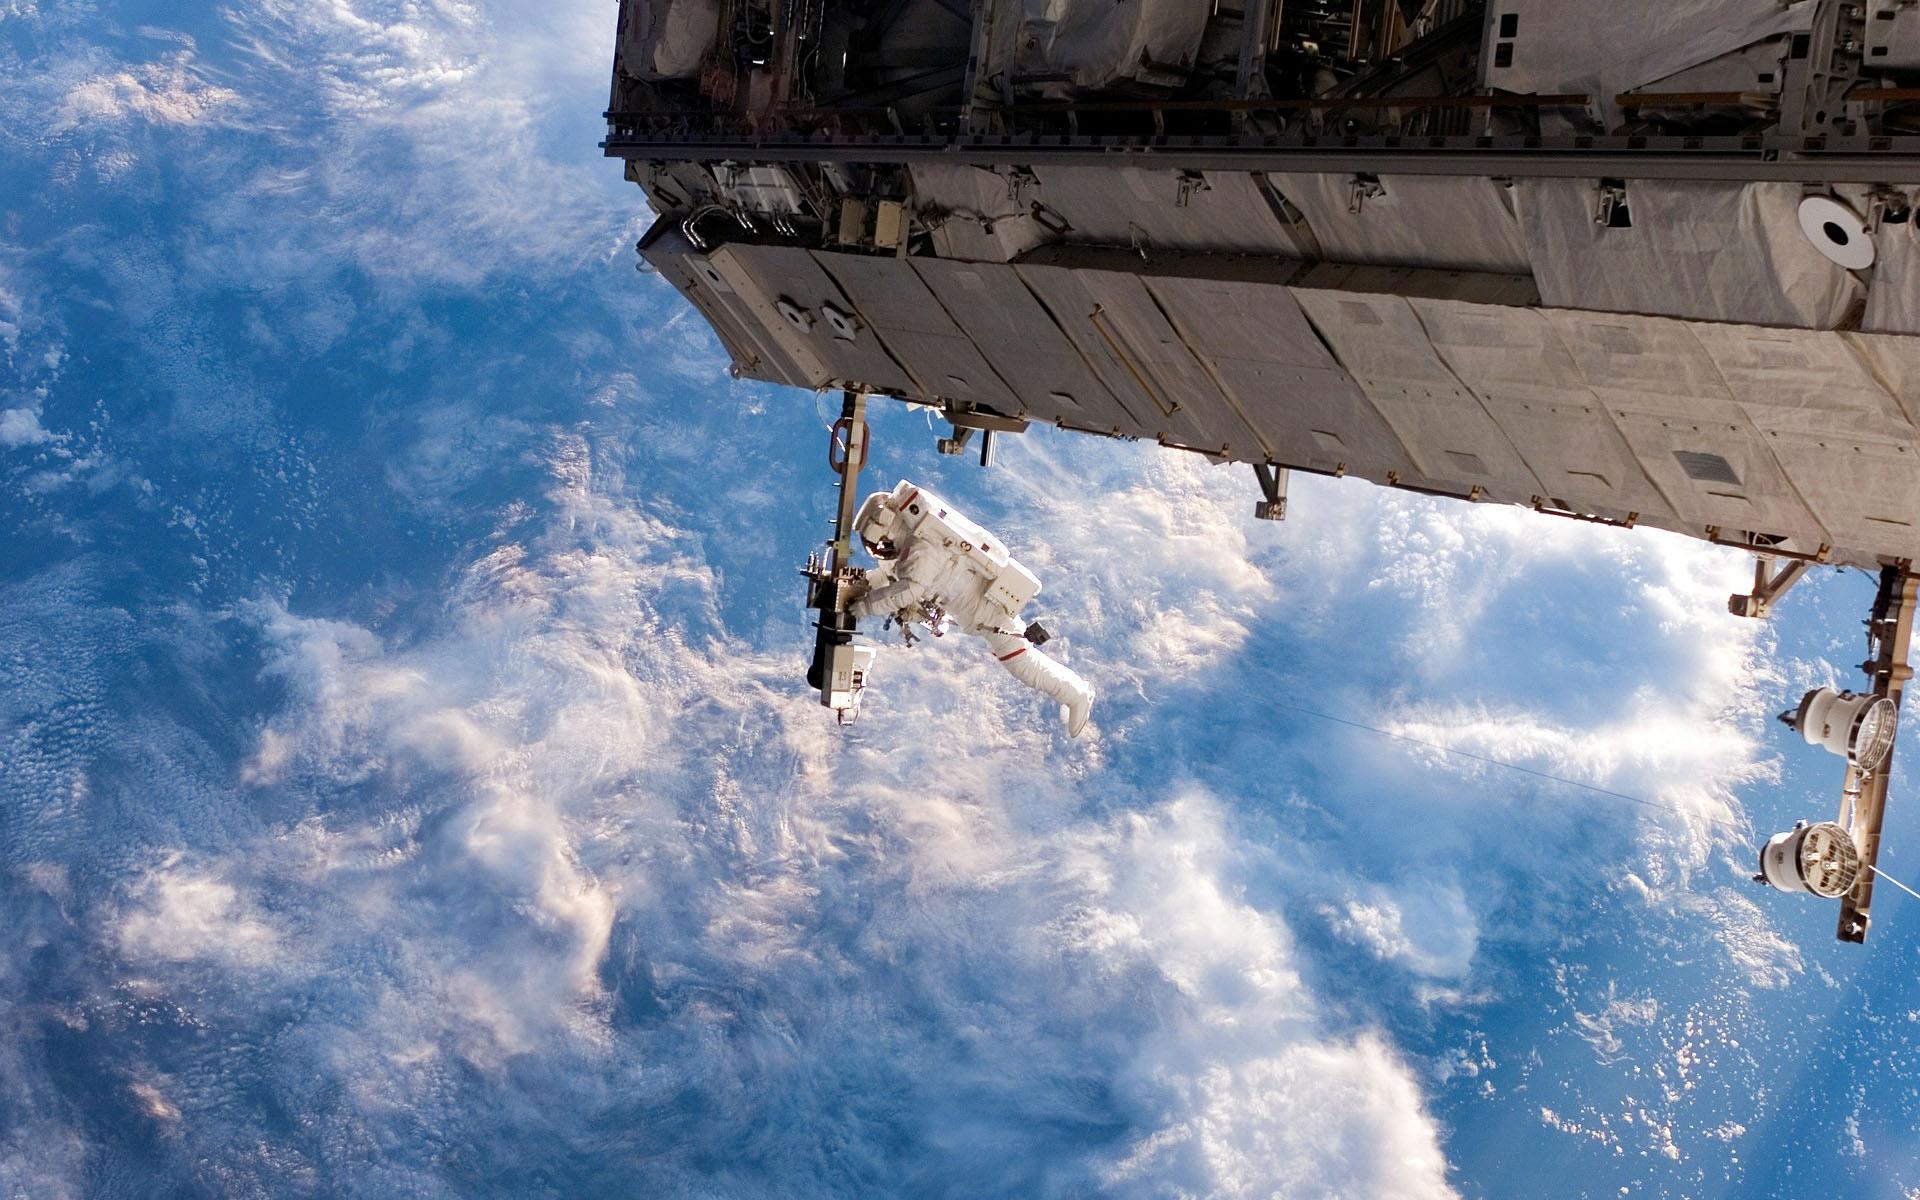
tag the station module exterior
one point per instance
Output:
(1635, 263)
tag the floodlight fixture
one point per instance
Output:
(1859, 728)
(1819, 859)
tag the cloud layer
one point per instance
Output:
(409, 788)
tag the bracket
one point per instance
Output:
(1768, 586)
(1273, 485)
(966, 421)
(1821, 67)
(1191, 182)
(1610, 209)
(1361, 188)
(838, 667)
(1889, 641)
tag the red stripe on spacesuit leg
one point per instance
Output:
(1015, 654)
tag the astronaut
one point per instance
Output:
(939, 569)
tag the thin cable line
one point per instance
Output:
(1895, 882)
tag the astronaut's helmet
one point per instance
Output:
(874, 523)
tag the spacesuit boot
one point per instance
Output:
(1045, 675)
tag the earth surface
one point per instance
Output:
(408, 786)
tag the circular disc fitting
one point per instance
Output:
(1837, 232)
(1872, 734)
(1829, 861)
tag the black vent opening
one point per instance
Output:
(1706, 468)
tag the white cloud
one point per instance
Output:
(1247, 1096)
(1601, 1029)
(9, 312)
(596, 765)
(453, 137)
(21, 427)
(1430, 930)
(171, 92)
(181, 914)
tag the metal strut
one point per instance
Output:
(1889, 637)
(1273, 485)
(1768, 586)
(838, 665)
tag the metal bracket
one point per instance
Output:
(1273, 485)
(957, 444)
(979, 113)
(966, 421)
(1768, 587)
(1362, 188)
(1250, 78)
(980, 418)
(836, 669)
(1190, 182)
(1887, 204)
(1610, 208)
(1822, 66)
(1889, 639)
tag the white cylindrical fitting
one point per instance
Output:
(1820, 860)
(1859, 728)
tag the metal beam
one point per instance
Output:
(1891, 636)
(901, 89)
(1768, 586)
(1852, 161)
(1250, 80)
(1273, 486)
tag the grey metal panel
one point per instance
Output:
(735, 336)
(917, 330)
(1124, 315)
(1893, 302)
(1866, 492)
(1573, 46)
(1464, 223)
(1895, 365)
(1669, 399)
(1645, 363)
(1512, 359)
(1582, 461)
(1708, 251)
(754, 349)
(1796, 380)
(1018, 336)
(1180, 264)
(1380, 340)
(1758, 498)
(1512, 351)
(774, 273)
(1831, 408)
(1121, 332)
(1130, 205)
(983, 218)
(1478, 287)
(1284, 382)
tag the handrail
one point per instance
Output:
(1649, 99)
(1093, 318)
(1267, 104)
(1316, 103)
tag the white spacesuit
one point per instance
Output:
(940, 569)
